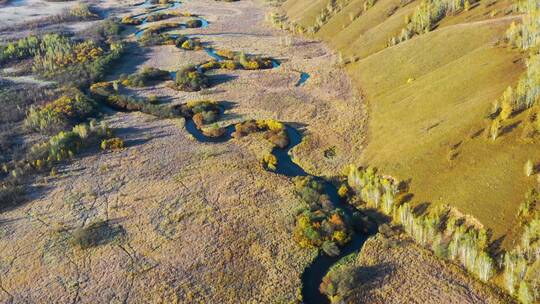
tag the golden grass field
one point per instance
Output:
(428, 99)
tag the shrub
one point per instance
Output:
(193, 23)
(160, 28)
(130, 103)
(274, 131)
(210, 65)
(65, 145)
(143, 78)
(112, 144)
(269, 162)
(230, 65)
(21, 49)
(320, 224)
(130, 20)
(77, 64)
(70, 108)
(189, 44)
(57, 52)
(190, 79)
(10, 193)
(214, 131)
(343, 190)
(200, 106)
(82, 10)
(95, 234)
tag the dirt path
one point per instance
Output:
(190, 222)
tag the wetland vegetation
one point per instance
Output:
(156, 127)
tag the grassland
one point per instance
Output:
(430, 100)
(157, 216)
(427, 100)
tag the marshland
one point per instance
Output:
(332, 151)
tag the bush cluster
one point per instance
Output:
(191, 79)
(108, 92)
(56, 52)
(130, 20)
(61, 113)
(143, 78)
(166, 15)
(66, 144)
(62, 146)
(340, 280)
(188, 43)
(269, 162)
(160, 28)
(274, 131)
(78, 64)
(193, 23)
(95, 234)
(320, 224)
(112, 144)
(83, 11)
(18, 50)
(242, 60)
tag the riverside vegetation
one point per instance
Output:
(71, 62)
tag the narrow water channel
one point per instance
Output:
(314, 273)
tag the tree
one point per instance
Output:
(494, 129)
(529, 168)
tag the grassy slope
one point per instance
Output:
(305, 12)
(369, 32)
(458, 70)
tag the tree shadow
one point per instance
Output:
(220, 79)
(421, 208)
(135, 56)
(496, 246)
(371, 276)
(509, 128)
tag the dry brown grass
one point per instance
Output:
(392, 269)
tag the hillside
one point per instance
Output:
(430, 94)
(452, 91)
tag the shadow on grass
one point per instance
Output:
(370, 277)
(220, 79)
(509, 128)
(134, 57)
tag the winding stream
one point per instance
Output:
(170, 6)
(314, 273)
(303, 78)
